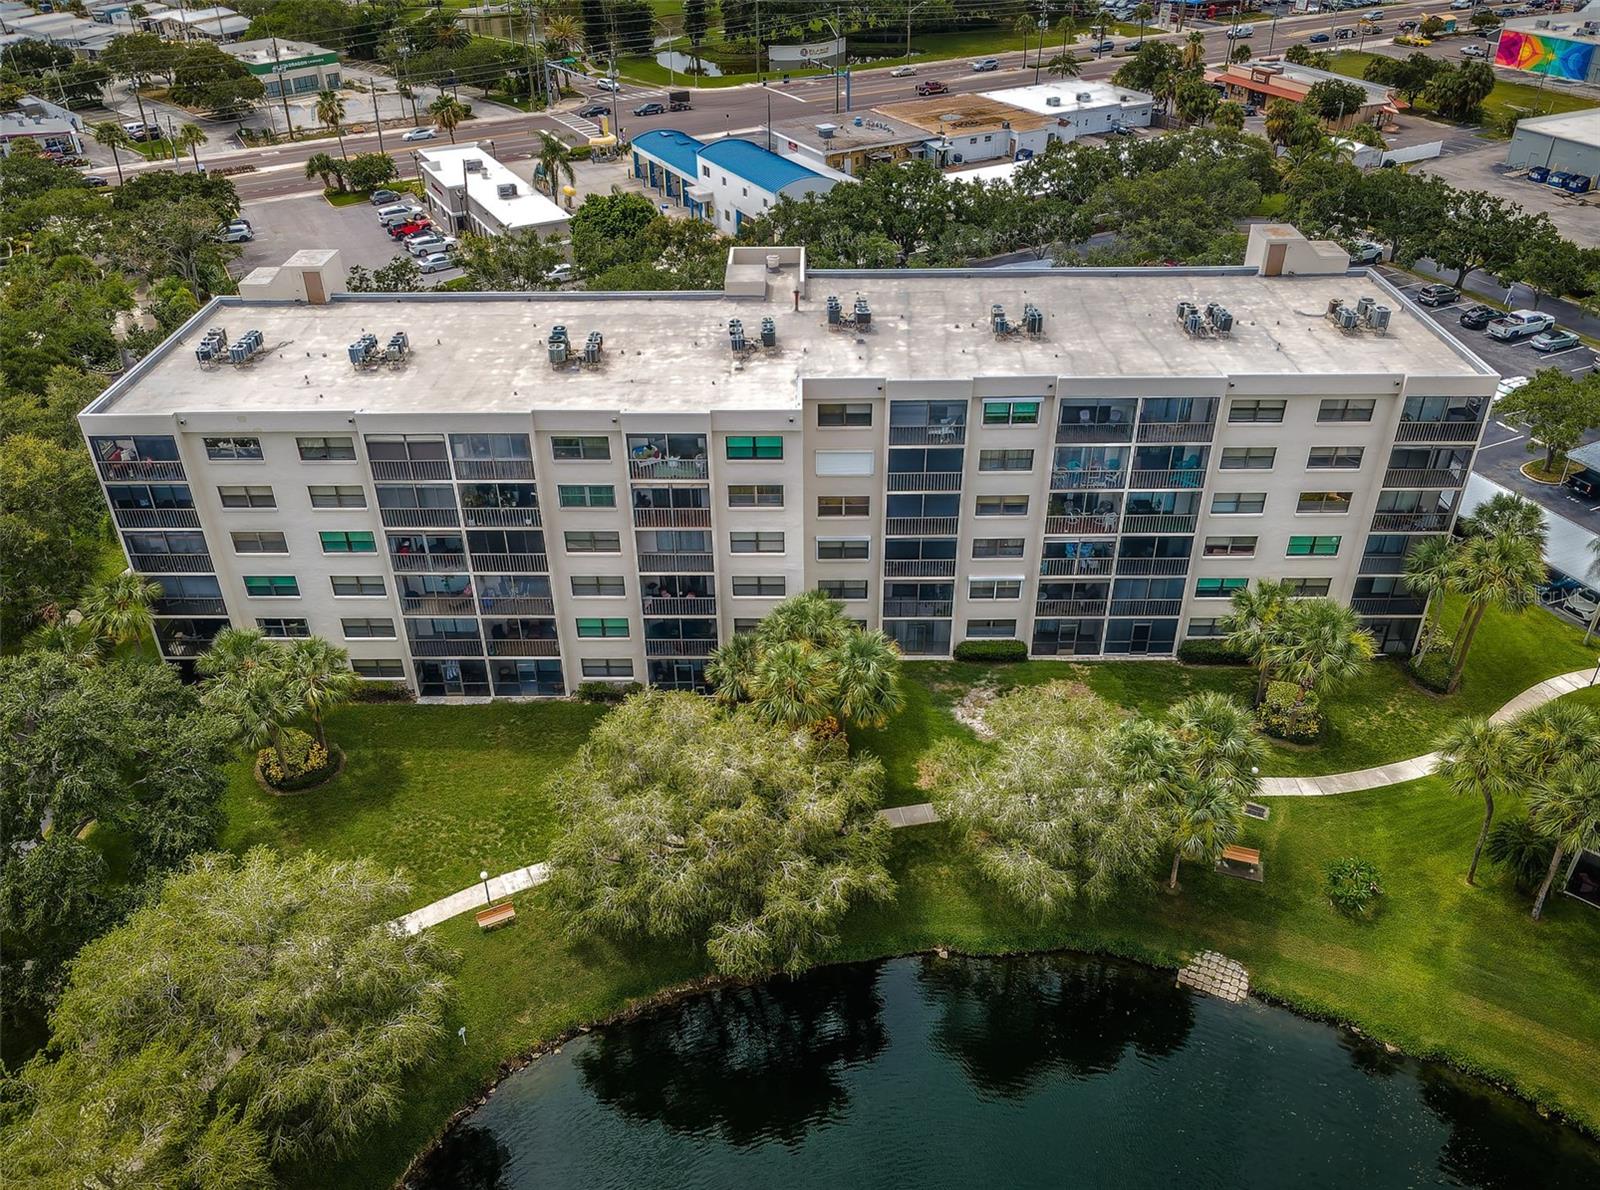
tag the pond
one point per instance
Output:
(1047, 1070)
(685, 64)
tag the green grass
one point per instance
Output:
(1506, 98)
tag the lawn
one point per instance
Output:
(1507, 97)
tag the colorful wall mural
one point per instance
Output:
(1539, 53)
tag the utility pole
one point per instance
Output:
(283, 91)
(759, 48)
(377, 119)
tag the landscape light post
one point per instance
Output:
(483, 875)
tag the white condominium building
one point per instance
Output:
(485, 494)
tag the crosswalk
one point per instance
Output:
(584, 128)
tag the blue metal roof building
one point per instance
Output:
(724, 182)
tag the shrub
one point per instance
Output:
(991, 650)
(581, 153)
(1515, 845)
(383, 692)
(309, 762)
(1353, 886)
(1210, 651)
(1432, 670)
(606, 691)
(1289, 713)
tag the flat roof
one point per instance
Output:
(670, 353)
(958, 115)
(1068, 95)
(1292, 72)
(864, 130)
(756, 165)
(1579, 127)
(1568, 26)
(267, 49)
(676, 149)
(525, 208)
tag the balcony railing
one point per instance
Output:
(189, 607)
(1145, 607)
(1070, 607)
(172, 563)
(410, 469)
(924, 481)
(1176, 431)
(412, 563)
(511, 563)
(1066, 479)
(916, 526)
(517, 605)
(1389, 605)
(487, 518)
(1419, 477)
(494, 468)
(896, 608)
(1152, 565)
(672, 518)
(524, 648)
(1182, 477)
(157, 518)
(1094, 523)
(667, 469)
(1410, 522)
(1382, 564)
(679, 648)
(653, 561)
(1158, 522)
(419, 518)
(187, 647)
(437, 605)
(142, 469)
(688, 605)
(1061, 566)
(1111, 431)
(951, 435)
(472, 647)
(920, 567)
(1438, 431)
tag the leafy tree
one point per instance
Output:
(1551, 266)
(1483, 20)
(1557, 408)
(330, 114)
(1457, 92)
(260, 1011)
(696, 23)
(1431, 26)
(171, 303)
(119, 610)
(39, 67)
(1502, 570)
(669, 254)
(180, 239)
(682, 820)
(1334, 99)
(139, 57)
(1483, 231)
(165, 187)
(208, 80)
(516, 262)
(1475, 755)
(57, 311)
(602, 229)
(368, 171)
(1145, 70)
(400, 275)
(51, 518)
(52, 416)
(448, 112)
(1407, 77)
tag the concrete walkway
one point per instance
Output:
(923, 813)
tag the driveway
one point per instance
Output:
(283, 226)
(1578, 219)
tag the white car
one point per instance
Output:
(419, 134)
(1520, 324)
(902, 72)
(607, 85)
(1366, 252)
(1473, 51)
(560, 274)
(232, 233)
(436, 262)
(1242, 31)
(429, 244)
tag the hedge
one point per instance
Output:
(380, 691)
(1432, 670)
(606, 691)
(1210, 651)
(991, 650)
(309, 762)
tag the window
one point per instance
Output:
(596, 447)
(326, 450)
(761, 446)
(1011, 413)
(843, 505)
(368, 628)
(587, 495)
(756, 543)
(340, 542)
(337, 495)
(370, 667)
(1248, 458)
(834, 414)
(1230, 547)
(989, 629)
(997, 547)
(489, 448)
(1005, 460)
(596, 626)
(1218, 588)
(607, 667)
(1256, 411)
(271, 586)
(582, 542)
(598, 586)
(260, 543)
(1228, 503)
(233, 450)
(842, 549)
(845, 462)
(1346, 409)
(843, 588)
(755, 495)
(1207, 626)
(283, 628)
(1308, 588)
(742, 625)
(1313, 547)
(1338, 458)
(994, 588)
(767, 586)
(1325, 502)
(247, 497)
(357, 584)
(1002, 506)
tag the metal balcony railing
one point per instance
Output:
(157, 518)
(687, 605)
(414, 563)
(673, 563)
(941, 435)
(679, 648)
(1178, 477)
(1438, 431)
(142, 469)
(410, 469)
(672, 518)
(1389, 605)
(517, 605)
(189, 607)
(920, 568)
(924, 481)
(1067, 479)
(917, 526)
(494, 468)
(900, 608)
(1070, 607)
(1152, 565)
(1145, 607)
(1159, 522)
(187, 647)
(1410, 522)
(1176, 431)
(489, 518)
(419, 518)
(1098, 523)
(1113, 431)
(1382, 564)
(667, 469)
(524, 648)
(172, 563)
(1419, 477)
(511, 563)
(452, 647)
(1065, 566)
(437, 605)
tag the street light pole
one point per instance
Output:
(484, 876)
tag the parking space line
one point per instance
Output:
(1502, 442)
(1563, 351)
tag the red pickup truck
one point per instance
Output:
(932, 87)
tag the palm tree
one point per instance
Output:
(320, 676)
(732, 667)
(448, 111)
(1229, 115)
(330, 114)
(1566, 809)
(111, 135)
(1026, 27)
(812, 618)
(320, 165)
(1142, 13)
(555, 161)
(1065, 65)
(236, 652)
(1318, 642)
(119, 609)
(1280, 118)
(1205, 819)
(260, 703)
(73, 640)
(1503, 571)
(1250, 625)
(189, 139)
(1476, 760)
(562, 32)
(1506, 512)
(1217, 742)
(794, 685)
(869, 687)
(1193, 57)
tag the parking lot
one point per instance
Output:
(1509, 359)
(284, 226)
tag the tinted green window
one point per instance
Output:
(1011, 413)
(759, 447)
(1218, 588)
(348, 543)
(587, 495)
(271, 584)
(602, 627)
(1313, 547)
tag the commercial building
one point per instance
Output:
(288, 67)
(972, 129)
(724, 182)
(1566, 141)
(86, 39)
(52, 127)
(1262, 80)
(469, 190)
(216, 23)
(1077, 107)
(1091, 461)
(849, 145)
(1558, 46)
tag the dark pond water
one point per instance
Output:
(1049, 1071)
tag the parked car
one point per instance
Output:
(1473, 51)
(594, 111)
(1554, 339)
(1520, 324)
(902, 72)
(1475, 318)
(142, 132)
(419, 134)
(407, 213)
(932, 87)
(1242, 31)
(1366, 252)
(436, 262)
(1318, 38)
(1345, 34)
(383, 198)
(984, 65)
(232, 233)
(94, 180)
(401, 231)
(1460, 5)
(1438, 295)
(560, 274)
(650, 109)
(429, 243)
(1104, 46)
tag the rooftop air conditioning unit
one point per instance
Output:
(506, 190)
(473, 165)
(1052, 101)
(826, 131)
(1085, 96)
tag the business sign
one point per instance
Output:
(816, 53)
(1539, 53)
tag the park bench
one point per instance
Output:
(496, 915)
(1243, 862)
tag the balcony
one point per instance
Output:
(185, 647)
(437, 605)
(488, 518)
(924, 481)
(511, 563)
(1111, 431)
(1068, 566)
(157, 518)
(517, 605)
(1176, 431)
(524, 648)
(419, 518)
(1094, 523)
(667, 469)
(171, 563)
(1411, 522)
(651, 561)
(1382, 564)
(1184, 477)
(413, 563)
(410, 469)
(679, 648)
(1145, 607)
(942, 435)
(687, 605)
(141, 469)
(1438, 431)
(672, 518)
(494, 468)
(898, 608)
(918, 526)
(189, 607)
(1417, 477)
(1070, 607)
(1159, 522)
(471, 647)
(920, 567)
(1152, 565)
(1067, 479)
(1389, 605)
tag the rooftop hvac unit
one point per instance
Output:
(774, 262)
(835, 314)
(997, 319)
(363, 349)
(1033, 320)
(863, 314)
(1184, 310)
(1052, 101)
(506, 190)
(594, 348)
(1348, 320)
(213, 346)
(398, 348)
(736, 335)
(248, 346)
(473, 165)
(558, 345)
(769, 333)
(1364, 307)
(1192, 322)
(827, 131)
(1084, 96)
(1378, 320)
(1222, 321)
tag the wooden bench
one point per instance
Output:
(1241, 855)
(496, 915)
(1241, 862)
